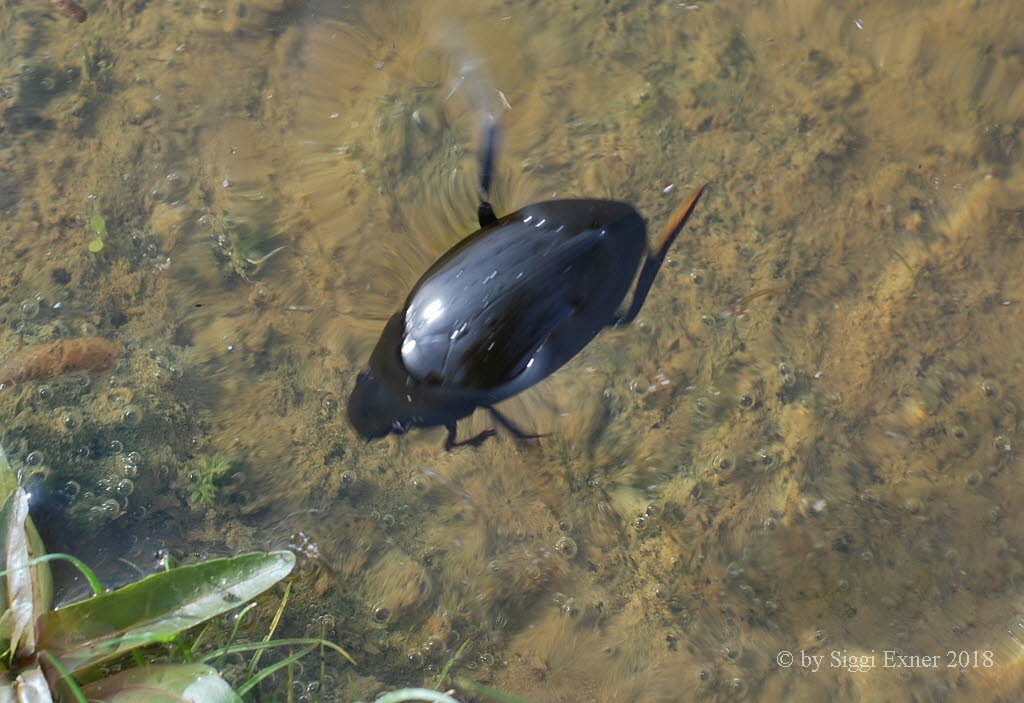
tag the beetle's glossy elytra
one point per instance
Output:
(488, 307)
(505, 308)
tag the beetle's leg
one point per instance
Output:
(450, 443)
(656, 258)
(510, 426)
(487, 157)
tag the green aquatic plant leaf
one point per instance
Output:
(160, 605)
(163, 683)
(206, 473)
(98, 224)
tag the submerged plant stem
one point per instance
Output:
(235, 648)
(273, 626)
(65, 677)
(439, 681)
(234, 631)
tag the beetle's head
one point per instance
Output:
(371, 408)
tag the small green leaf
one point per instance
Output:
(98, 225)
(93, 630)
(164, 683)
(96, 245)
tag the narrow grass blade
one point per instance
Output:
(65, 677)
(267, 671)
(439, 681)
(235, 648)
(273, 626)
(94, 583)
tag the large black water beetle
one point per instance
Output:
(505, 308)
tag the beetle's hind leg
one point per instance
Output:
(511, 427)
(656, 258)
(475, 441)
(488, 154)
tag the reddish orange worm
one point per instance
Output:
(45, 361)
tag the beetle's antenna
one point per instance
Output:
(487, 157)
(488, 153)
(471, 75)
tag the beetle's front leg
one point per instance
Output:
(450, 443)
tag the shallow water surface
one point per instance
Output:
(803, 455)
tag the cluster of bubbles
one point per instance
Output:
(71, 451)
(436, 650)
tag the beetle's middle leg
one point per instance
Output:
(654, 260)
(475, 441)
(511, 427)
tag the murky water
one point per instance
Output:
(830, 469)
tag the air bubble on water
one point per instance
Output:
(380, 614)
(566, 546)
(71, 419)
(29, 308)
(110, 509)
(131, 415)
